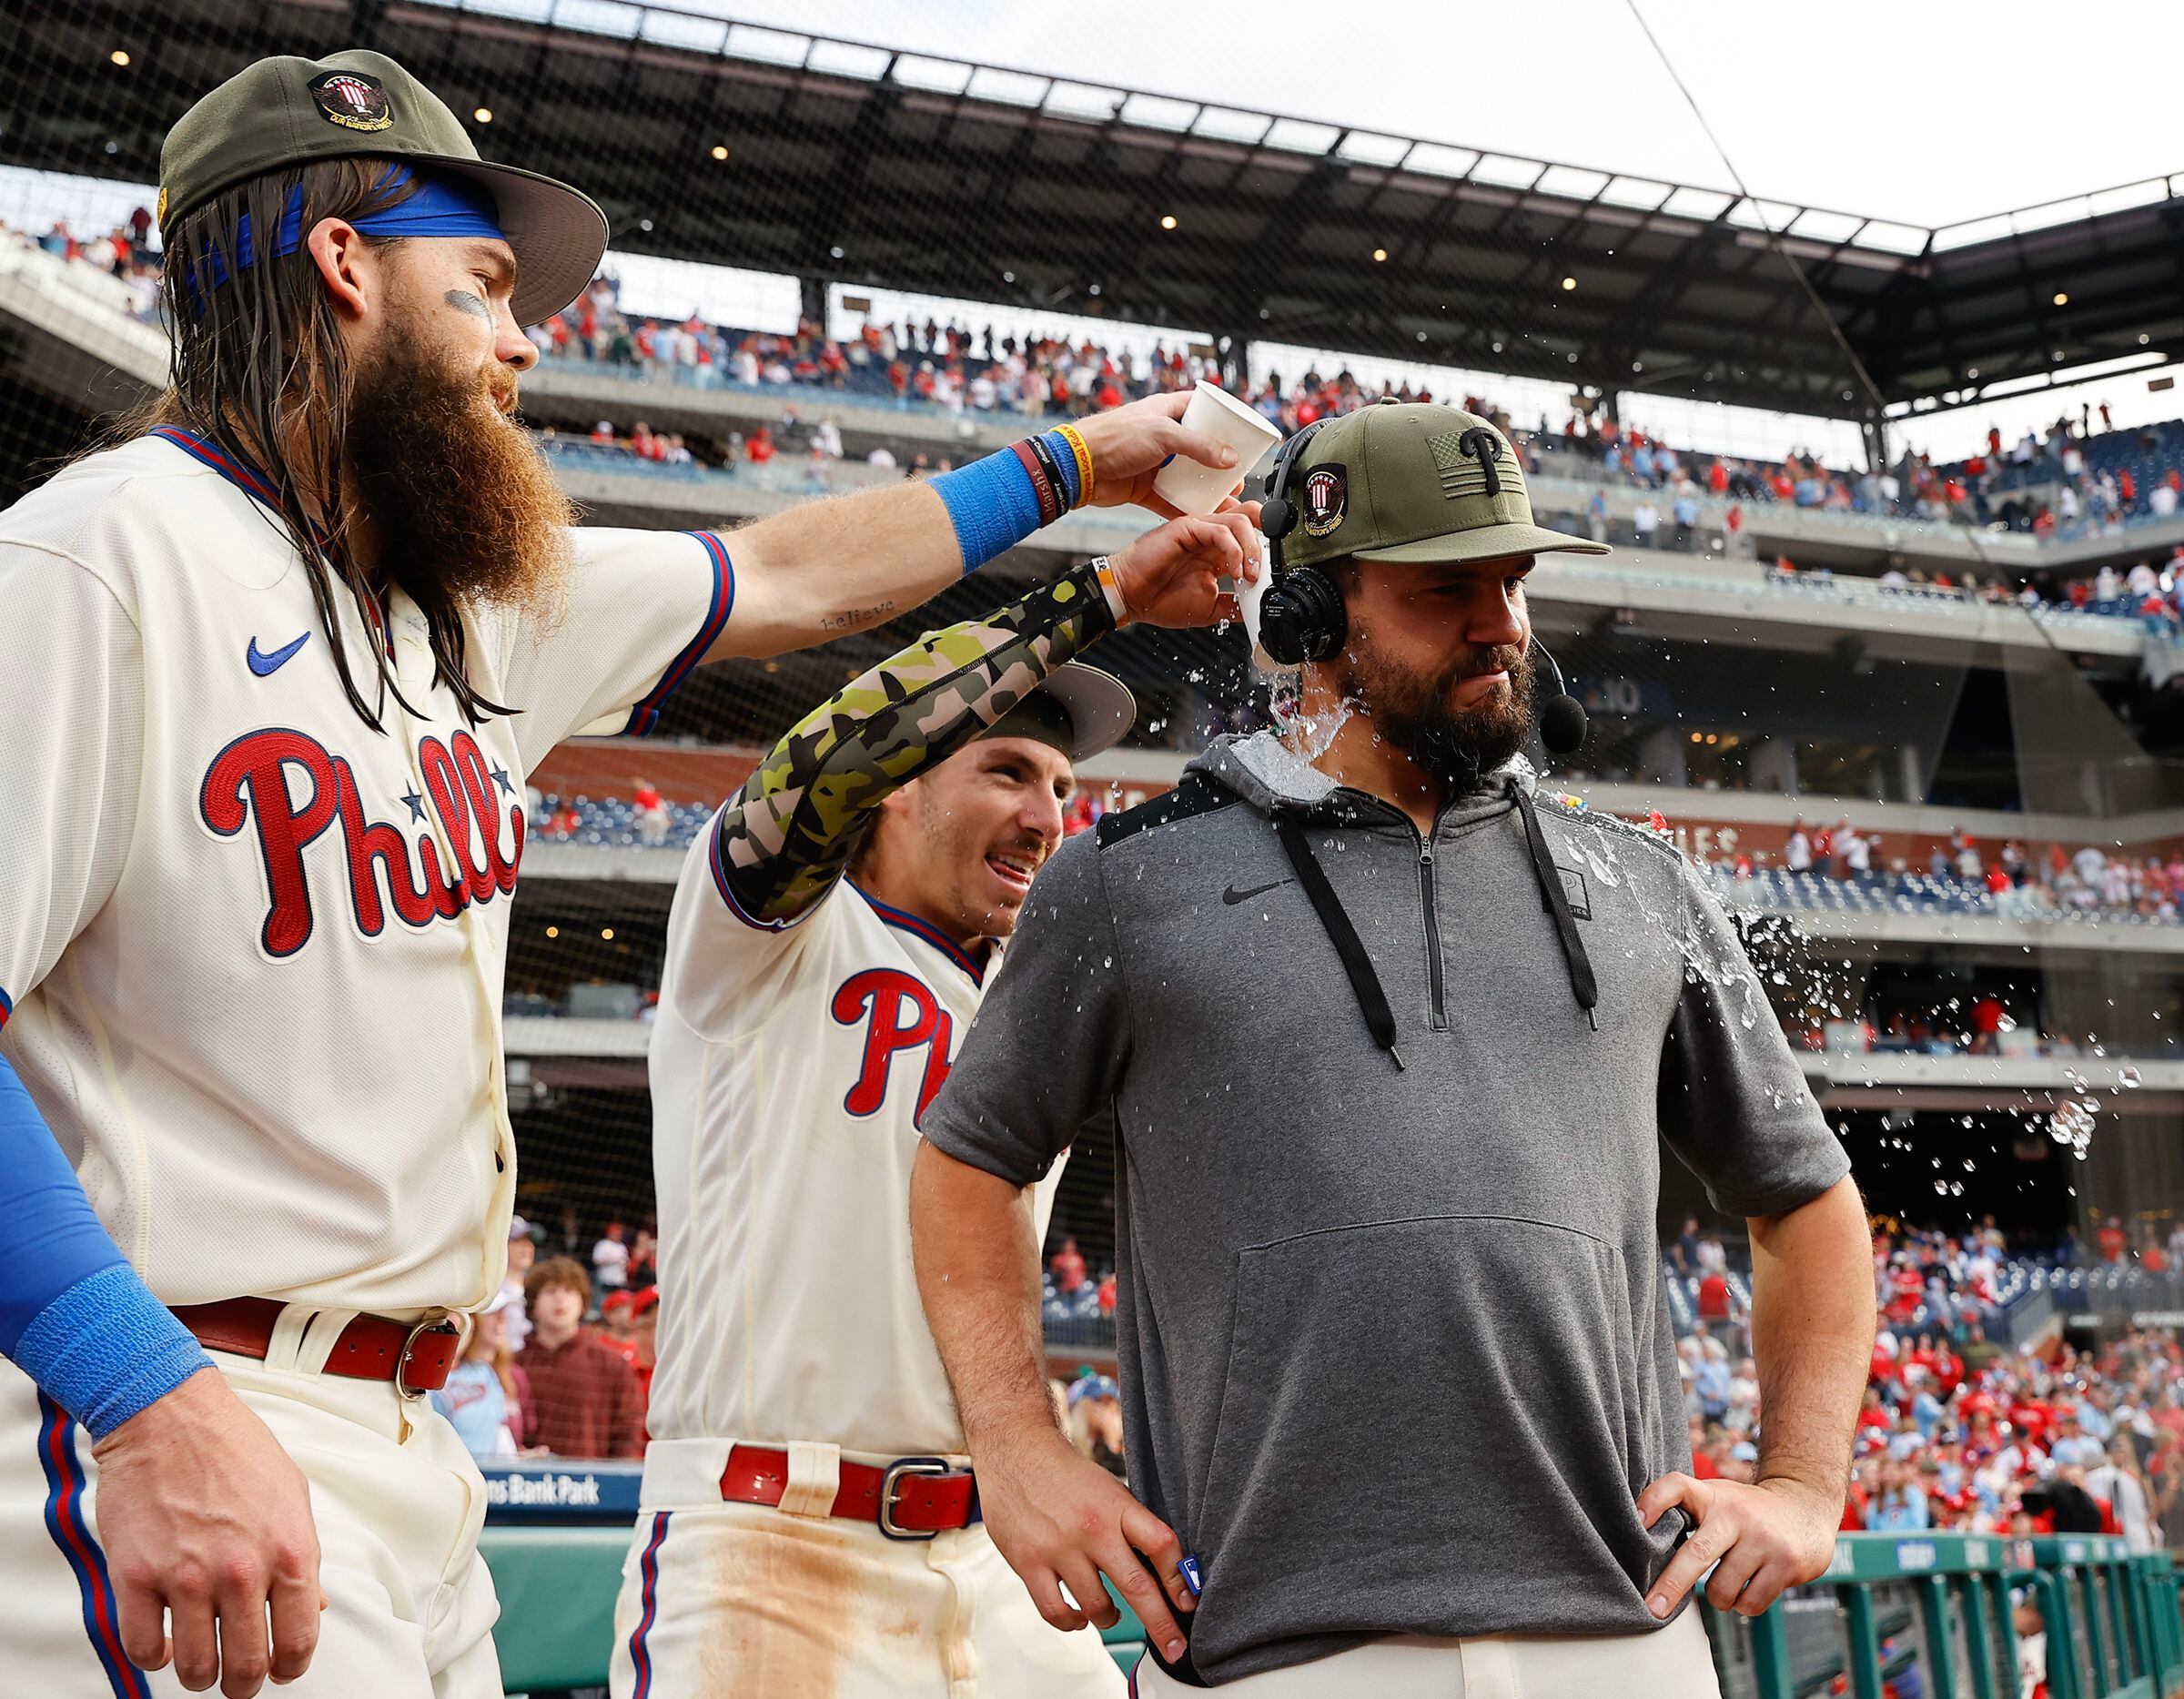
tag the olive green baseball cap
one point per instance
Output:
(1416, 483)
(285, 112)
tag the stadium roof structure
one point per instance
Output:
(712, 140)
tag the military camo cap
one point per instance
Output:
(1416, 483)
(286, 112)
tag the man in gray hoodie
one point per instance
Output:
(1390, 1040)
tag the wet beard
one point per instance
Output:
(468, 513)
(1456, 746)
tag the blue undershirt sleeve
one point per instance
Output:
(73, 1316)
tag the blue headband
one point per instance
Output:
(443, 206)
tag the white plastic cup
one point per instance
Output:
(1214, 412)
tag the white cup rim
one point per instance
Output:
(1235, 409)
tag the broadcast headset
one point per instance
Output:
(1302, 618)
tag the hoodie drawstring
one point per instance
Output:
(1556, 900)
(1373, 1001)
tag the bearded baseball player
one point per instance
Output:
(299, 641)
(810, 1519)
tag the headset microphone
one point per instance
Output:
(1561, 715)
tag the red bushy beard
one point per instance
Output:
(466, 510)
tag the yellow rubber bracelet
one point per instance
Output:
(1084, 462)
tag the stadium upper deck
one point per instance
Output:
(83, 347)
(829, 159)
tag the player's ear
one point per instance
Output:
(354, 276)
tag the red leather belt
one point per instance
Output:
(415, 1356)
(913, 1498)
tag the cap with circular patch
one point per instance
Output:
(1418, 483)
(285, 112)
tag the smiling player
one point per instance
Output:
(828, 947)
(297, 646)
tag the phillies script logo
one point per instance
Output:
(254, 782)
(901, 1014)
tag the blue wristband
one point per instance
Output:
(106, 1348)
(1065, 460)
(992, 504)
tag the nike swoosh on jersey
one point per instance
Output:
(264, 664)
(1232, 896)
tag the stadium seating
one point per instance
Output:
(1775, 888)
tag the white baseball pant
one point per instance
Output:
(396, 1501)
(725, 1601)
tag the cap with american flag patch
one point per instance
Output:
(1418, 483)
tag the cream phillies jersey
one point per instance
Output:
(253, 947)
(789, 1067)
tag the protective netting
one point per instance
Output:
(836, 265)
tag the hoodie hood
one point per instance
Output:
(1263, 771)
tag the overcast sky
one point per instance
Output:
(1914, 110)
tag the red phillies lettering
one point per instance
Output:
(373, 843)
(248, 782)
(883, 996)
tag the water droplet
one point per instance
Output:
(2129, 1079)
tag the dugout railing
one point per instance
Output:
(1894, 1614)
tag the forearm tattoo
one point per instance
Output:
(855, 619)
(781, 842)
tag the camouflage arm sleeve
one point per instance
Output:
(781, 843)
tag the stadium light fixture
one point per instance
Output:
(2061, 299)
(719, 152)
(607, 933)
(554, 932)
(1569, 284)
(1168, 221)
(484, 114)
(120, 55)
(1379, 254)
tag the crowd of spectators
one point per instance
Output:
(1960, 1432)
(2151, 589)
(560, 1363)
(2068, 481)
(125, 251)
(2088, 879)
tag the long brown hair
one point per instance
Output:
(259, 366)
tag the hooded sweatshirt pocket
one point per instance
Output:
(1442, 1419)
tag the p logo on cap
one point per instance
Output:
(352, 100)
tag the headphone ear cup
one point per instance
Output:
(1277, 516)
(1302, 618)
(1281, 621)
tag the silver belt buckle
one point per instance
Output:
(933, 1468)
(432, 1322)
